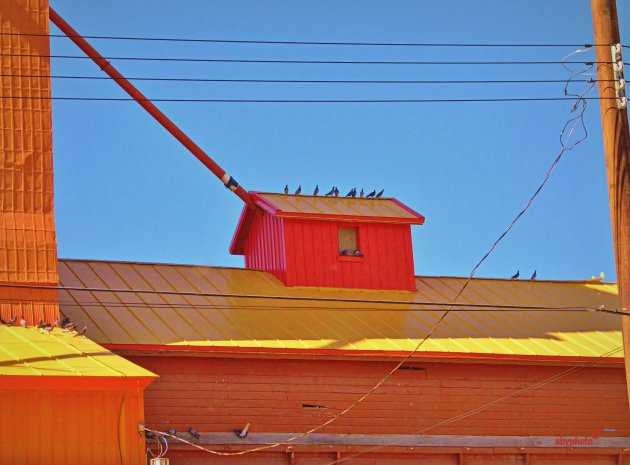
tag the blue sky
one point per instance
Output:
(126, 190)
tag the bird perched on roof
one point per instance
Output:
(82, 332)
(242, 433)
(331, 191)
(316, 191)
(380, 194)
(352, 191)
(534, 276)
(286, 189)
(193, 432)
(41, 324)
(69, 327)
(336, 192)
(362, 193)
(64, 321)
(515, 276)
(298, 191)
(371, 194)
(12, 320)
(22, 322)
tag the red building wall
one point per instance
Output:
(313, 256)
(220, 394)
(264, 248)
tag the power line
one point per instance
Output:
(314, 62)
(410, 307)
(305, 81)
(357, 101)
(486, 406)
(489, 307)
(304, 42)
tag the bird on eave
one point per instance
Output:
(331, 192)
(371, 194)
(286, 189)
(362, 193)
(242, 433)
(22, 322)
(336, 192)
(515, 276)
(193, 432)
(81, 333)
(380, 194)
(298, 191)
(534, 276)
(316, 191)
(12, 321)
(349, 194)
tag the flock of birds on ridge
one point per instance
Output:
(335, 192)
(65, 324)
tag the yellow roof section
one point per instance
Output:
(321, 207)
(178, 315)
(29, 352)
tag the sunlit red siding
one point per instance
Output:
(264, 247)
(313, 256)
(218, 395)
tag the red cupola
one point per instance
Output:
(329, 241)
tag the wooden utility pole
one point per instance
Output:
(617, 153)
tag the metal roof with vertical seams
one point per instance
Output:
(178, 316)
(30, 352)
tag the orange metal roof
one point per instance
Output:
(29, 352)
(28, 249)
(381, 209)
(230, 322)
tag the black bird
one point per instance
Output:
(336, 192)
(349, 194)
(354, 192)
(534, 276)
(12, 320)
(316, 191)
(69, 327)
(149, 434)
(298, 191)
(41, 324)
(193, 432)
(82, 332)
(380, 193)
(171, 431)
(64, 321)
(371, 194)
(242, 433)
(362, 193)
(331, 191)
(518, 273)
(286, 189)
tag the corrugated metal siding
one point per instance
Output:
(339, 206)
(313, 256)
(193, 320)
(87, 427)
(28, 250)
(219, 395)
(264, 246)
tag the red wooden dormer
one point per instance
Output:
(329, 241)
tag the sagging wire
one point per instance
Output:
(580, 101)
(161, 441)
(484, 407)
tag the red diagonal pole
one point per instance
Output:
(145, 103)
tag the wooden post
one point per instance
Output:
(617, 153)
